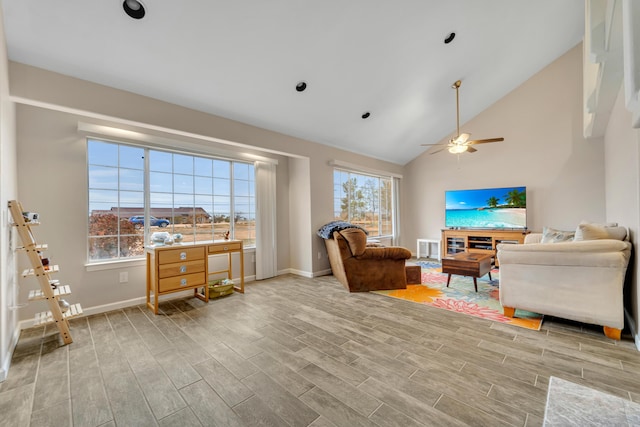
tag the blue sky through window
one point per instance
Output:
(116, 179)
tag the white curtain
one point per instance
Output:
(396, 211)
(266, 255)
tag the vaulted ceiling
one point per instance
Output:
(243, 59)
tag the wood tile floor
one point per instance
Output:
(293, 351)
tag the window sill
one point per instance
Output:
(112, 265)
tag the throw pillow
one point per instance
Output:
(606, 224)
(551, 235)
(599, 231)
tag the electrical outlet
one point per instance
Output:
(124, 277)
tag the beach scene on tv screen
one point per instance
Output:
(487, 208)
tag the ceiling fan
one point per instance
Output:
(461, 142)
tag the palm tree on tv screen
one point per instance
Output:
(492, 202)
(516, 198)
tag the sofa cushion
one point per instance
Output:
(356, 239)
(551, 235)
(590, 231)
(389, 252)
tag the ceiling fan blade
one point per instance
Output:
(484, 141)
(437, 151)
(471, 150)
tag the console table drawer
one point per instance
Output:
(180, 255)
(186, 281)
(170, 270)
(224, 248)
(185, 267)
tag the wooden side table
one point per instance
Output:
(467, 264)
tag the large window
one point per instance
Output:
(365, 200)
(135, 191)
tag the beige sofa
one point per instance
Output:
(579, 279)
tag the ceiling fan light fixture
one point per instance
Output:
(462, 138)
(134, 9)
(460, 143)
(458, 149)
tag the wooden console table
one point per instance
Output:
(184, 266)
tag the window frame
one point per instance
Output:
(391, 201)
(146, 192)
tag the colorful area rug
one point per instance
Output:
(461, 297)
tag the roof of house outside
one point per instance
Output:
(167, 213)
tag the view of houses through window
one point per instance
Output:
(136, 191)
(364, 200)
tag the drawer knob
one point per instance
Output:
(183, 282)
(226, 248)
(183, 269)
(183, 255)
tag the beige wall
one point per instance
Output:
(8, 190)
(300, 257)
(622, 166)
(543, 150)
(54, 183)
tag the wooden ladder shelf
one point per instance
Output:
(43, 274)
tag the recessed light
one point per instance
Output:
(133, 8)
(301, 86)
(366, 115)
(449, 38)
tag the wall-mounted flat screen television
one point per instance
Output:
(489, 208)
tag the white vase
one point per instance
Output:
(64, 305)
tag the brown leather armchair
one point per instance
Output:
(362, 268)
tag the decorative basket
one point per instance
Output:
(221, 287)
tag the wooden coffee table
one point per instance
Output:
(467, 264)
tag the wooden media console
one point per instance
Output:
(481, 241)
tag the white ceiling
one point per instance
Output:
(242, 59)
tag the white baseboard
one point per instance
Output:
(296, 272)
(4, 369)
(307, 274)
(326, 272)
(88, 311)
